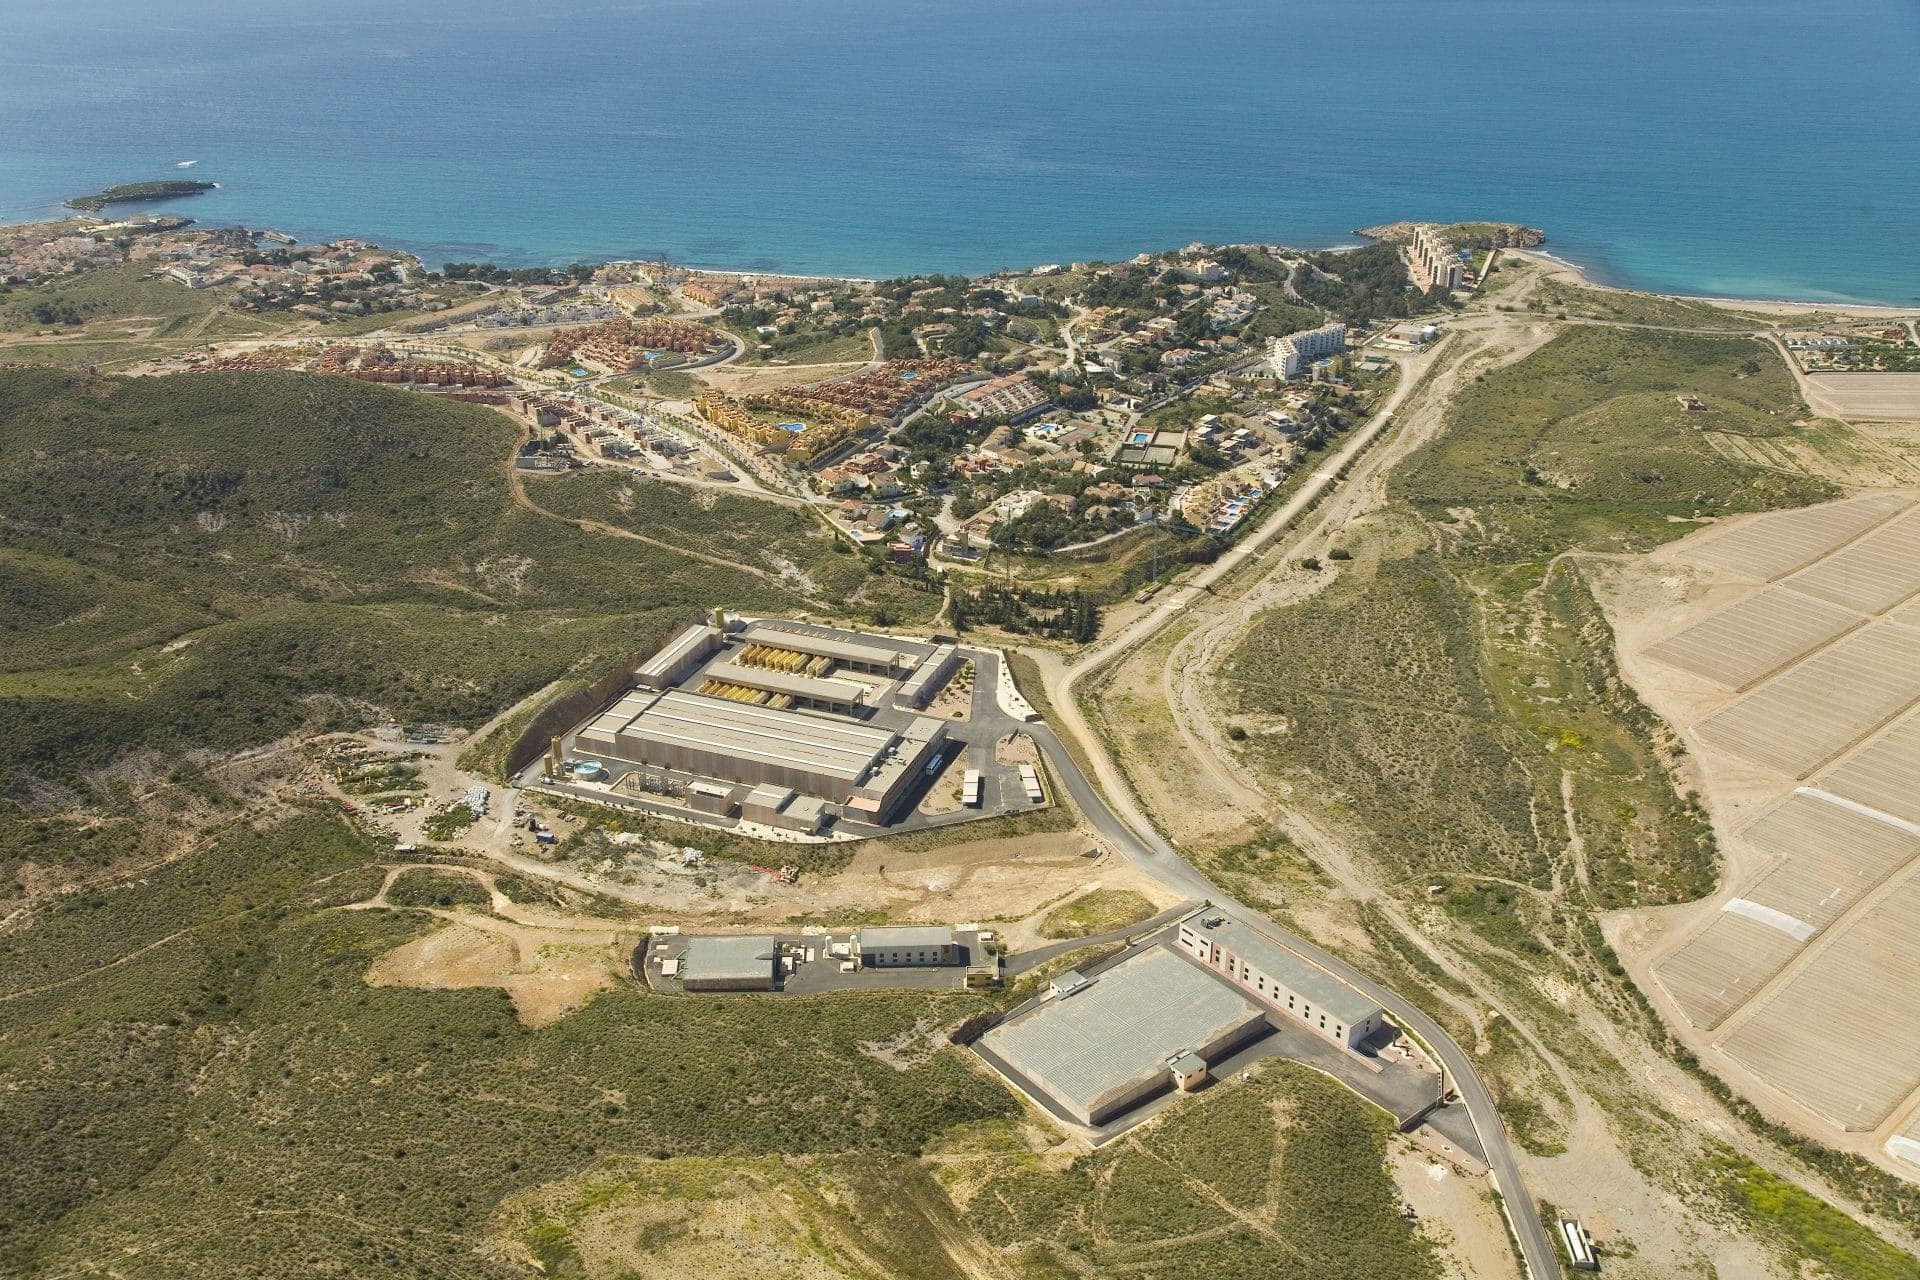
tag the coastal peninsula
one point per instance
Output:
(135, 192)
(1497, 235)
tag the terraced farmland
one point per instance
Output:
(1829, 859)
(1723, 967)
(1842, 1036)
(1772, 546)
(1884, 774)
(1824, 860)
(1806, 973)
(1798, 720)
(1753, 638)
(1870, 575)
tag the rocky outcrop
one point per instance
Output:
(1489, 235)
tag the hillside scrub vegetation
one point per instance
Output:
(1451, 701)
(1099, 911)
(211, 561)
(788, 543)
(1298, 1158)
(199, 1081)
(1458, 676)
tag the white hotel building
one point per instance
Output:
(1292, 354)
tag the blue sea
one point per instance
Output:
(1753, 148)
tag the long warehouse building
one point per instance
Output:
(864, 766)
(855, 655)
(1103, 1045)
(1281, 978)
(817, 692)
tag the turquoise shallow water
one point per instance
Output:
(1744, 147)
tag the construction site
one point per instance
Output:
(793, 730)
(810, 421)
(622, 346)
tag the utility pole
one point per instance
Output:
(1156, 545)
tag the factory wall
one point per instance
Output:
(642, 749)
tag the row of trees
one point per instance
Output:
(574, 273)
(1359, 285)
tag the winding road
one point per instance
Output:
(1127, 829)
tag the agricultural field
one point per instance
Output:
(1447, 712)
(1813, 725)
(1805, 1038)
(1740, 644)
(1764, 550)
(1823, 860)
(1872, 574)
(1880, 774)
(1803, 717)
(1888, 396)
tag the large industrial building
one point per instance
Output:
(1279, 978)
(787, 724)
(1102, 1045)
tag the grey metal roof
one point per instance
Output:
(906, 935)
(1315, 985)
(839, 748)
(845, 645)
(932, 668)
(725, 957)
(1121, 1028)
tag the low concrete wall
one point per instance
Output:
(570, 709)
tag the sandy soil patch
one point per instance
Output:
(739, 380)
(955, 700)
(1456, 1212)
(945, 795)
(548, 972)
(1884, 396)
(1016, 748)
(978, 880)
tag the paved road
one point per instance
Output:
(1140, 844)
(1027, 961)
(1147, 850)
